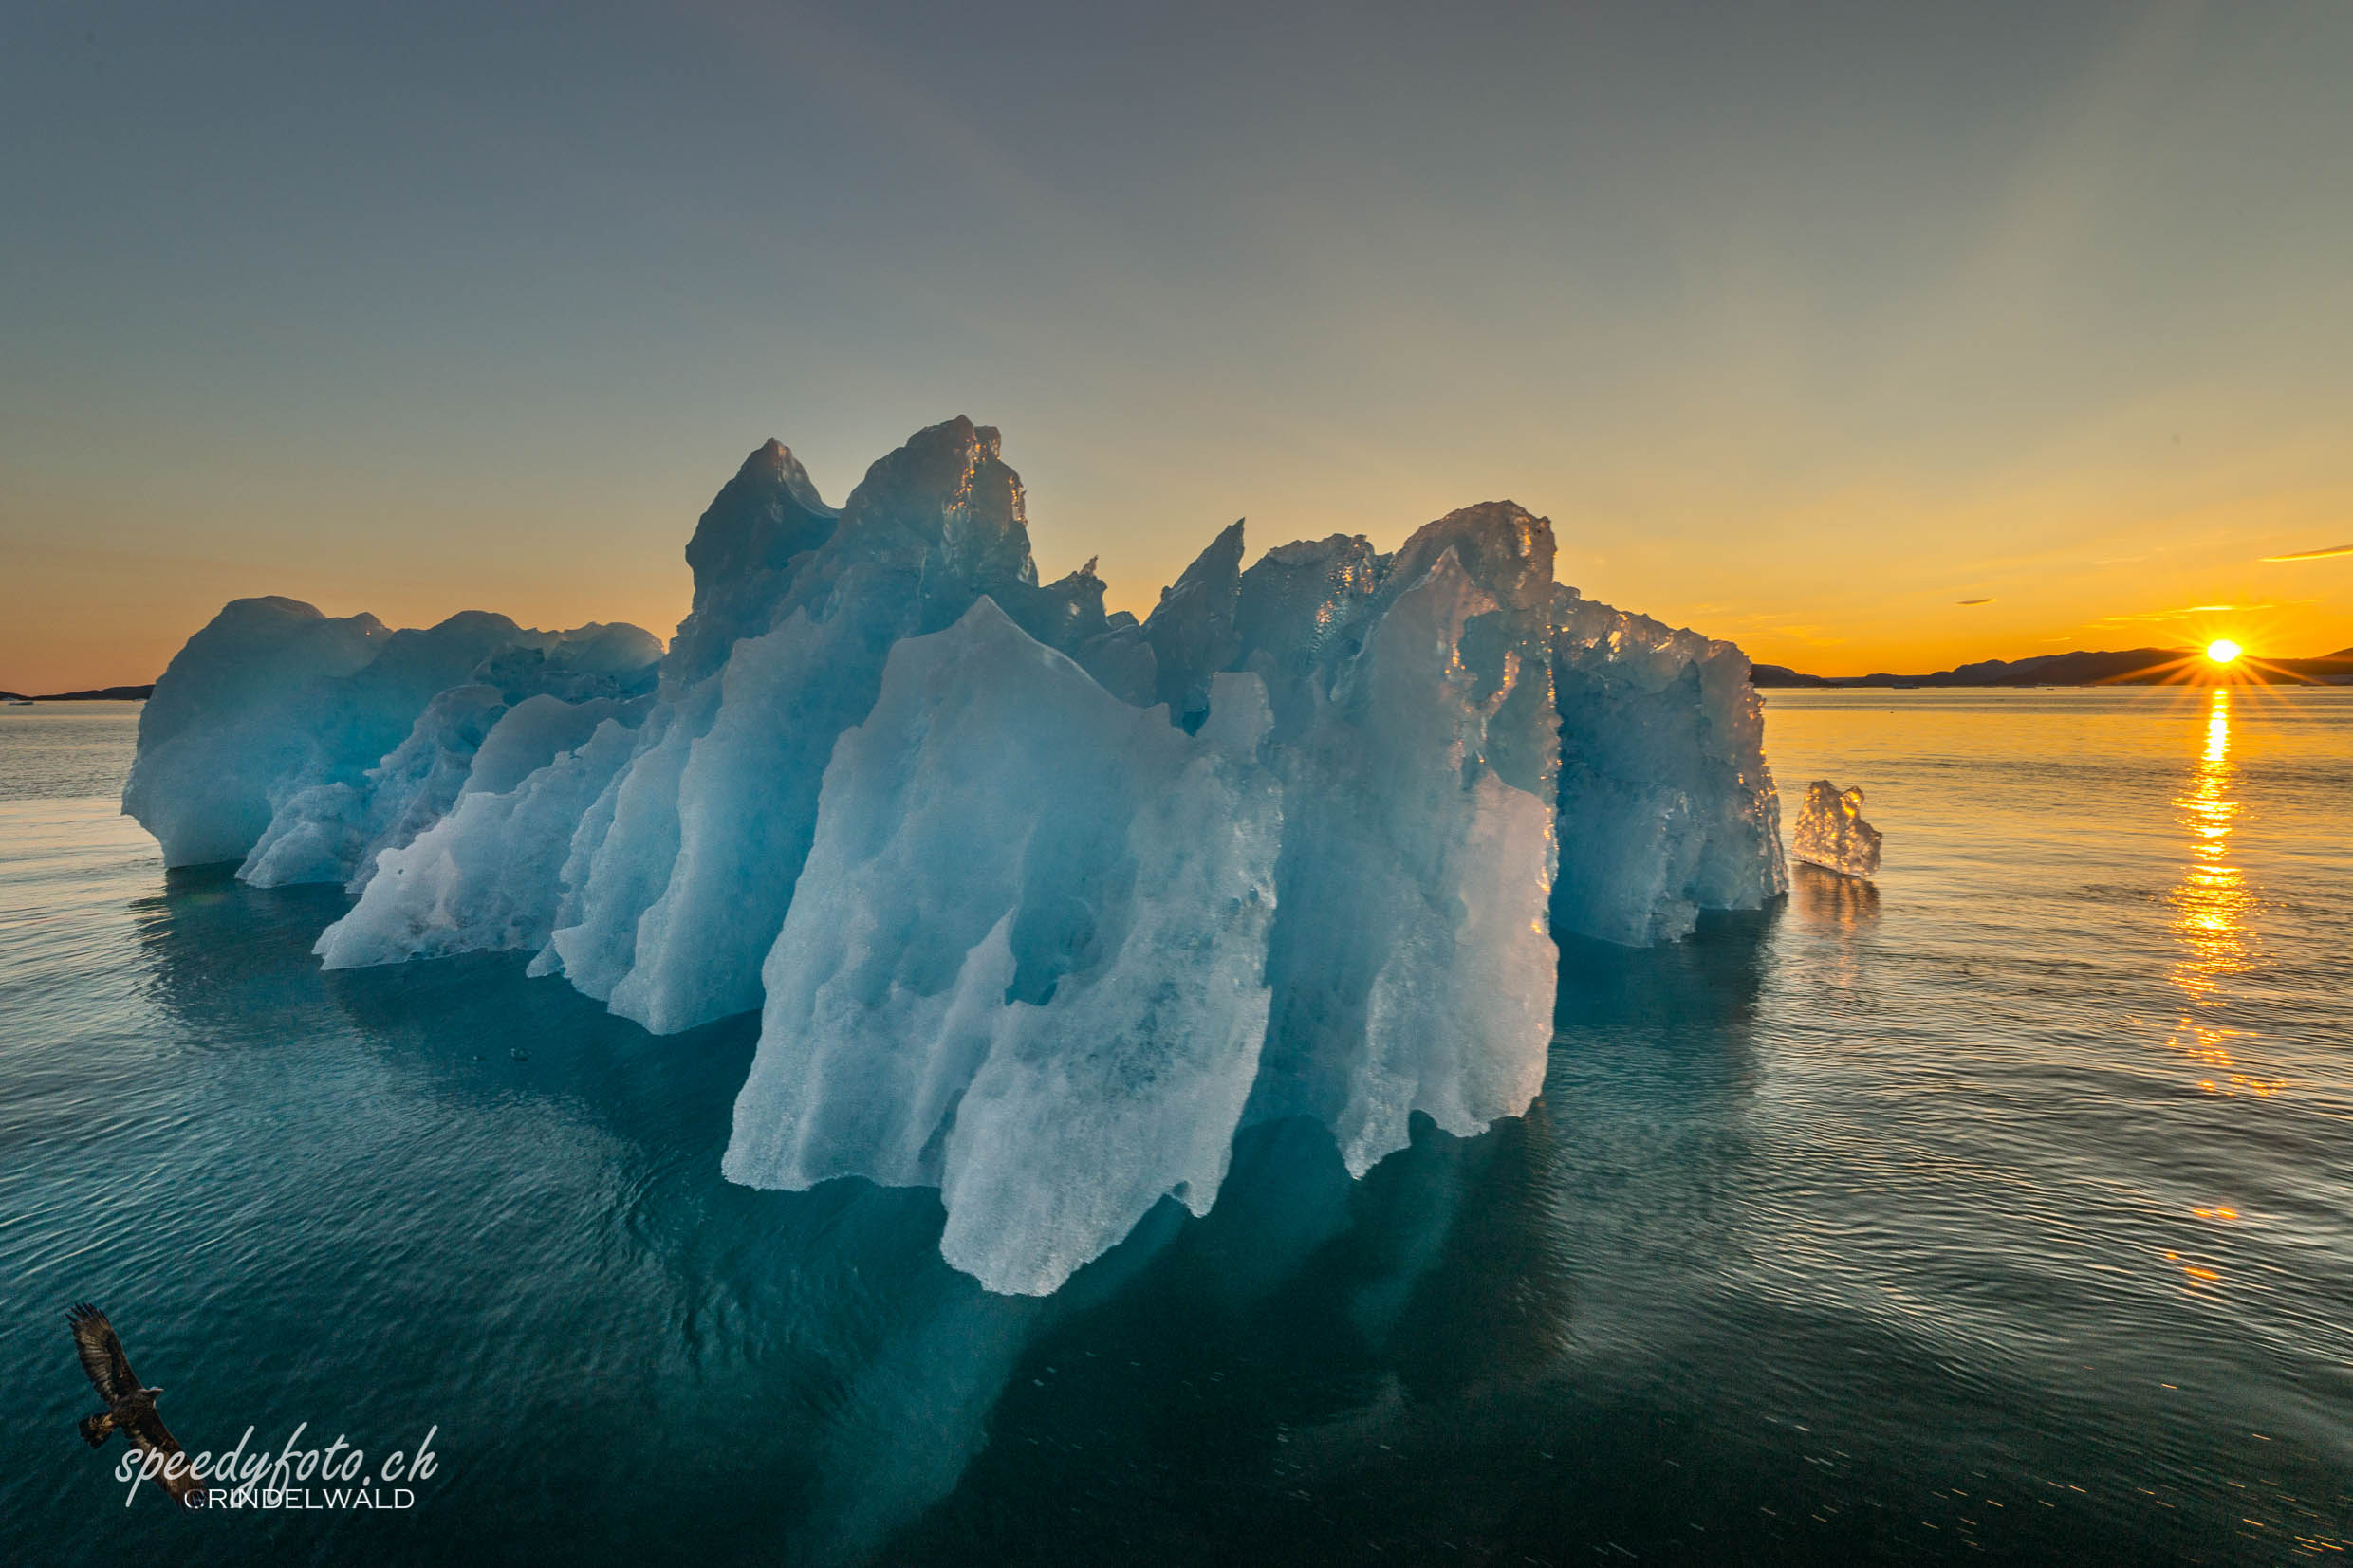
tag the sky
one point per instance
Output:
(1867, 337)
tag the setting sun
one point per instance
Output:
(2222, 651)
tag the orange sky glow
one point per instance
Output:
(1929, 337)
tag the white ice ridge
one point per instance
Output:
(1026, 963)
(1037, 903)
(1414, 736)
(1832, 832)
(486, 877)
(1666, 805)
(276, 737)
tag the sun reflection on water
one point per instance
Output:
(2210, 904)
(2213, 905)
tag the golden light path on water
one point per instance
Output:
(2213, 908)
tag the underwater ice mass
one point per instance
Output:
(1038, 905)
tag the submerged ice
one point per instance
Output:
(1038, 903)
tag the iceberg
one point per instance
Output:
(486, 877)
(297, 744)
(683, 881)
(1832, 832)
(1410, 962)
(1038, 904)
(1026, 960)
(1666, 805)
(239, 708)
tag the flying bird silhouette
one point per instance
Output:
(130, 1406)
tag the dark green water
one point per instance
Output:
(2004, 1209)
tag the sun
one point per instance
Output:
(2223, 651)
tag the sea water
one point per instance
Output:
(2001, 1206)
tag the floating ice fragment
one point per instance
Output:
(1832, 832)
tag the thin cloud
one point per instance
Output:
(2313, 555)
(2185, 610)
(1972, 601)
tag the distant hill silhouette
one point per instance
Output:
(2129, 667)
(103, 694)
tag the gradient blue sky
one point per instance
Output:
(1804, 322)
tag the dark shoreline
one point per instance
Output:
(105, 694)
(2131, 667)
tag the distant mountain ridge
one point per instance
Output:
(2126, 666)
(2131, 666)
(103, 694)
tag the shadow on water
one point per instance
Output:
(492, 1207)
(1310, 1334)
(445, 1194)
(510, 1214)
(1702, 987)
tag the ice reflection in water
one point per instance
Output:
(1825, 898)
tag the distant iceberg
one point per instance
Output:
(1038, 904)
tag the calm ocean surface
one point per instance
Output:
(2002, 1208)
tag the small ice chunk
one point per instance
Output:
(1832, 832)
